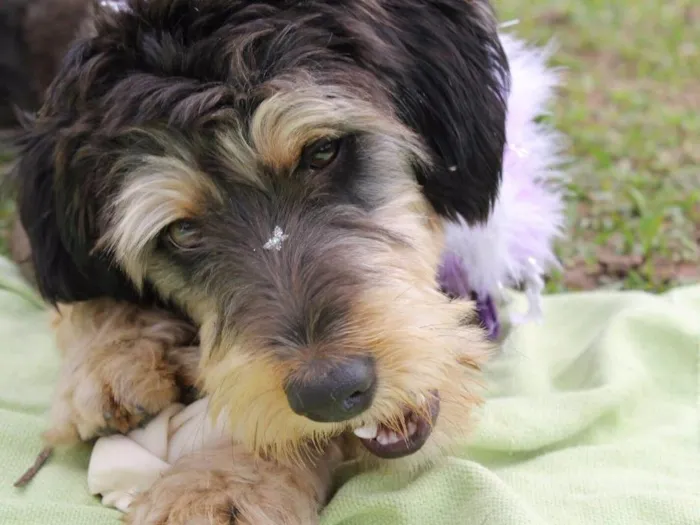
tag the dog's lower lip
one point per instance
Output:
(387, 446)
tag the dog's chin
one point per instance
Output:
(387, 442)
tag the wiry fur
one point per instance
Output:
(120, 364)
(224, 484)
(204, 110)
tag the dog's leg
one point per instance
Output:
(117, 368)
(225, 484)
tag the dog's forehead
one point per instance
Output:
(234, 101)
(115, 5)
(240, 44)
(272, 79)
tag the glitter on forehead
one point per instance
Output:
(275, 242)
(116, 5)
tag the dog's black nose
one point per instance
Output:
(335, 392)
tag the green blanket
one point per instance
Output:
(593, 417)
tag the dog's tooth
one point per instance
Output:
(367, 432)
(383, 438)
(393, 438)
(412, 427)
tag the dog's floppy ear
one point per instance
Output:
(57, 202)
(56, 224)
(449, 78)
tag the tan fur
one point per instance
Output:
(237, 153)
(226, 484)
(300, 112)
(162, 189)
(276, 468)
(116, 369)
(159, 191)
(414, 333)
(416, 340)
(116, 357)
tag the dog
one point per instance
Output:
(249, 198)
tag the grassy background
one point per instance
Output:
(631, 107)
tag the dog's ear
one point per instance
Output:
(57, 199)
(449, 78)
(57, 219)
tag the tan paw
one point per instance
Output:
(110, 389)
(227, 486)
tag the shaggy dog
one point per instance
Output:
(249, 197)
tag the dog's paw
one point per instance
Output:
(227, 486)
(111, 389)
(176, 502)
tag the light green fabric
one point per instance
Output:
(592, 418)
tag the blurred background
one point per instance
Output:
(630, 106)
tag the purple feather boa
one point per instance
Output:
(514, 248)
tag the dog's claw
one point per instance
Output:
(107, 415)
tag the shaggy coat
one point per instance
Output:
(275, 175)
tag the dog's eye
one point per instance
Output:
(183, 234)
(322, 153)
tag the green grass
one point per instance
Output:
(631, 108)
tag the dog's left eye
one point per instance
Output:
(183, 234)
(322, 153)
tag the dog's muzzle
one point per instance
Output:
(333, 393)
(387, 443)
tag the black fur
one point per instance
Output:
(449, 76)
(168, 63)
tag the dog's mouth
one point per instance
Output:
(387, 443)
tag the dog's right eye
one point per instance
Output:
(184, 234)
(321, 153)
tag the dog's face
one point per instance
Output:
(279, 171)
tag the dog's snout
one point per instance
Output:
(336, 392)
